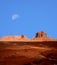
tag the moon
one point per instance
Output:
(15, 16)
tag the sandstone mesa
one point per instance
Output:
(40, 36)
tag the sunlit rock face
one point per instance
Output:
(14, 38)
(41, 34)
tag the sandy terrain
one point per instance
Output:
(20, 50)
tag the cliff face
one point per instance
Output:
(40, 36)
(14, 38)
(20, 50)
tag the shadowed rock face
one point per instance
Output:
(40, 34)
(20, 50)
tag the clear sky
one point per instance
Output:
(19, 17)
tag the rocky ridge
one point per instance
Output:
(40, 36)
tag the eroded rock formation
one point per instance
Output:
(40, 36)
(20, 50)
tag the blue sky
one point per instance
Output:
(26, 17)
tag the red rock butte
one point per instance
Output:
(40, 36)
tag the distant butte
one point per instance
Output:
(40, 36)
